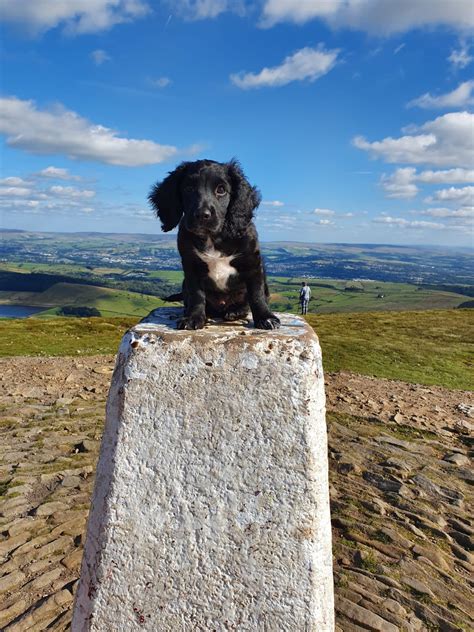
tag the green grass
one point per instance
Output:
(330, 295)
(370, 563)
(61, 336)
(428, 347)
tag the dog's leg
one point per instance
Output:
(262, 316)
(194, 305)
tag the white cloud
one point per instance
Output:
(404, 149)
(447, 176)
(405, 223)
(464, 195)
(460, 58)
(14, 181)
(306, 64)
(463, 212)
(400, 184)
(373, 16)
(57, 173)
(323, 211)
(14, 191)
(141, 214)
(274, 203)
(275, 11)
(160, 82)
(76, 16)
(325, 222)
(60, 131)
(204, 9)
(35, 198)
(445, 141)
(458, 98)
(71, 192)
(460, 219)
(21, 207)
(99, 56)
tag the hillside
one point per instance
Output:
(108, 301)
(126, 291)
(329, 296)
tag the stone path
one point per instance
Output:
(401, 489)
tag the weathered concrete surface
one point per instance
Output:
(211, 508)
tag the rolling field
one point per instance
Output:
(328, 296)
(135, 292)
(429, 347)
(108, 301)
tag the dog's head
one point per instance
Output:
(211, 198)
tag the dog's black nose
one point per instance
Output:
(205, 215)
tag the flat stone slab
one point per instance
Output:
(211, 504)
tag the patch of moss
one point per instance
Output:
(16, 484)
(14, 495)
(7, 424)
(349, 543)
(4, 485)
(56, 466)
(370, 563)
(381, 536)
(341, 581)
(402, 431)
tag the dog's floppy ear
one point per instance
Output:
(166, 200)
(244, 200)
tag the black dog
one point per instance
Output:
(217, 240)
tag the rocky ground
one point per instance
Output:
(401, 490)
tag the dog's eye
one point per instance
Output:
(220, 190)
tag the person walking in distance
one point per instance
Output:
(305, 295)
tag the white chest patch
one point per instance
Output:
(219, 266)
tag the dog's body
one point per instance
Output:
(217, 240)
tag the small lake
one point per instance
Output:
(18, 311)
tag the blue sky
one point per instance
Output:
(353, 117)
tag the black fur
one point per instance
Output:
(213, 203)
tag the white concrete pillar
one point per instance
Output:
(211, 504)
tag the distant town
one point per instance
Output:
(401, 264)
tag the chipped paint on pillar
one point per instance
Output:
(211, 505)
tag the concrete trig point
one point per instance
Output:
(211, 506)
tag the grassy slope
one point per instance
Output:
(74, 268)
(61, 336)
(109, 302)
(285, 291)
(397, 296)
(429, 347)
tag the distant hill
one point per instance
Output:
(108, 301)
(380, 262)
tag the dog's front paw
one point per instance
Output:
(271, 322)
(192, 322)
